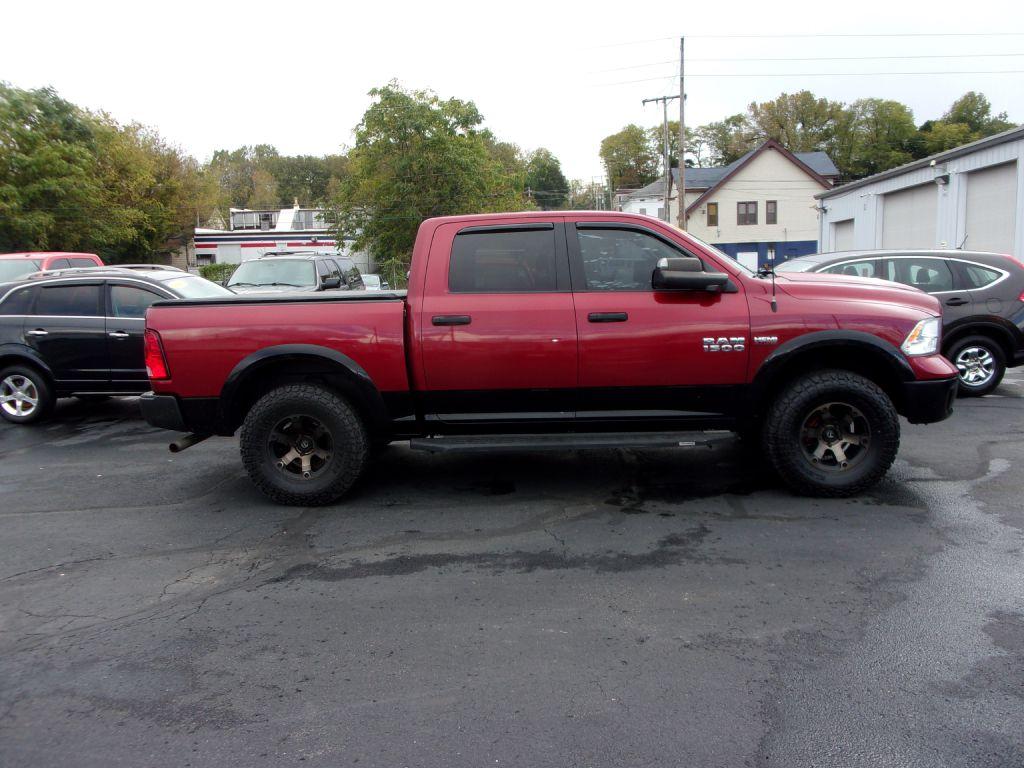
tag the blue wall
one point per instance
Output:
(783, 251)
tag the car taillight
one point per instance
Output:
(156, 363)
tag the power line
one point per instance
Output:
(815, 35)
(816, 58)
(818, 74)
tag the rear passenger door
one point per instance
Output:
(67, 329)
(497, 325)
(126, 326)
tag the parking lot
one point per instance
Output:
(641, 608)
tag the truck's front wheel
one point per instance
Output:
(832, 433)
(303, 444)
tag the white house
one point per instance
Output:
(253, 233)
(970, 197)
(759, 208)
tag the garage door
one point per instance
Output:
(991, 208)
(908, 217)
(842, 235)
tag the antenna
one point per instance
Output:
(775, 304)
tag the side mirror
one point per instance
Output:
(331, 282)
(685, 273)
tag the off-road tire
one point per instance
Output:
(351, 445)
(782, 433)
(46, 398)
(999, 357)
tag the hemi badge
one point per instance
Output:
(766, 339)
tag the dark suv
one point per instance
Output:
(296, 271)
(80, 332)
(982, 297)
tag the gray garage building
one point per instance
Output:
(971, 197)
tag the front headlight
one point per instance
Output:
(924, 339)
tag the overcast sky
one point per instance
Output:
(212, 75)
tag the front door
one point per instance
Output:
(126, 326)
(497, 326)
(651, 355)
(67, 330)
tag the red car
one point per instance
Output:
(15, 266)
(546, 328)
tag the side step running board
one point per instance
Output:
(567, 442)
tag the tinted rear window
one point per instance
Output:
(503, 262)
(69, 300)
(978, 277)
(83, 262)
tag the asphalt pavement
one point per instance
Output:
(609, 608)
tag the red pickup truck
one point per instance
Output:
(581, 328)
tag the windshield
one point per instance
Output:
(723, 255)
(292, 272)
(371, 281)
(193, 287)
(796, 265)
(12, 269)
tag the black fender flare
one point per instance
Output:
(1002, 329)
(781, 358)
(357, 381)
(28, 355)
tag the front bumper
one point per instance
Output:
(925, 402)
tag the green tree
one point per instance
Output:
(416, 156)
(883, 136)
(545, 180)
(968, 119)
(628, 158)
(724, 141)
(72, 180)
(800, 122)
(974, 110)
(694, 145)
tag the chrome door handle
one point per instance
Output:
(118, 334)
(37, 332)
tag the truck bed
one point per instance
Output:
(207, 340)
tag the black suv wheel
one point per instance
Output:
(25, 395)
(303, 444)
(981, 364)
(832, 433)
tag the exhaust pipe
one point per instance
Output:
(186, 442)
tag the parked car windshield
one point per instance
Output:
(796, 265)
(300, 274)
(193, 287)
(12, 269)
(371, 281)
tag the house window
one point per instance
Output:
(712, 214)
(746, 213)
(643, 211)
(771, 212)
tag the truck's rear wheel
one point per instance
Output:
(303, 444)
(832, 433)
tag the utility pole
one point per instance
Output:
(668, 171)
(682, 135)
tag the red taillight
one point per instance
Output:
(156, 363)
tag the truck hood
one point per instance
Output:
(826, 287)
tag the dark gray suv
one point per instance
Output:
(982, 297)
